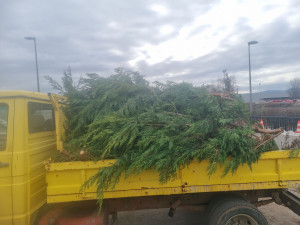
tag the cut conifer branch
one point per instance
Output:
(267, 140)
(160, 127)
(223, 96)
(266, 131)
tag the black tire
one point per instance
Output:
(216, 201)
(230, 210)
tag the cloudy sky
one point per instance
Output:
(178, 40)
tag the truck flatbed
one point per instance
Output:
(274, 170)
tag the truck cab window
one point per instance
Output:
(3, 125)
(40, 117)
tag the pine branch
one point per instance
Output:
(266, 141)
(223, 96)
(161, 127)
(265, 131)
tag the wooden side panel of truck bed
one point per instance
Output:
(274, 170)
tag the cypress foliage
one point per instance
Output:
(153, 126)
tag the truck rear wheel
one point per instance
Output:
(235, 211)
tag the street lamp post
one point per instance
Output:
(36, 62)
(250, 86)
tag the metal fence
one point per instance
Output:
(273, 122)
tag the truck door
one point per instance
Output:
(6, 137)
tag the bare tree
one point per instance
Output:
(294, 90)
(225, 85)
(228, 83)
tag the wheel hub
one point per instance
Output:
(242, 219)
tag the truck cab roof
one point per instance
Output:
(26, 94)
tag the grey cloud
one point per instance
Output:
(83, 34)
(278, 46)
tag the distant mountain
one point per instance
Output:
(265, 94)
(274, 91)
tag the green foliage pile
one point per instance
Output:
(155, 126)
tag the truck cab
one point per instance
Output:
(27, 138)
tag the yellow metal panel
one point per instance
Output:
(168, 191)
(20, 173)
(65, 179)
(22, 183)
(196, 174)
(58, 103)
(6, 207)
(70, 181)
(64, 166)
(29, 152)
(21, 200)
(24, 94)
(39, 148)
(276, 154)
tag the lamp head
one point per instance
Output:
(252, 42)
(29, 38)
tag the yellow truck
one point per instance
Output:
(33, 190)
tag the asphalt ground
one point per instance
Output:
(275, 214)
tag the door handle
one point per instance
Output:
(2, 164)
